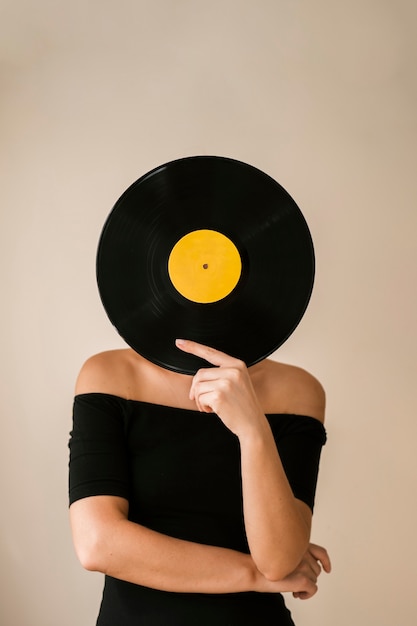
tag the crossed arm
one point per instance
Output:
(277, 525)
(106, 541)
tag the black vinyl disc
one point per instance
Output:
(245, 220)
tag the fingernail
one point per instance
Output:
(180, 342)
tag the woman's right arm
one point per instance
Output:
(106, 541)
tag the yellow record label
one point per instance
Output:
(204, 266)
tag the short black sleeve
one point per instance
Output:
(299, 440)
(98, 458)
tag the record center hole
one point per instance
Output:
(205, 266)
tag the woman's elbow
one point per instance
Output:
(282, 565)
(89, 560)
(275, 574)
(93, 525)
(90, 553)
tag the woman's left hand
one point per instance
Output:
(226, 389)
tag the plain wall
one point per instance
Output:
(320, 95)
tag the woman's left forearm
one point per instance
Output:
(277, 525)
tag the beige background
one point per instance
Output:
(322, 96)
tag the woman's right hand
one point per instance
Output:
(302, 582)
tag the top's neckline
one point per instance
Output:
(174, 408)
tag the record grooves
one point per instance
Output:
(210, 249)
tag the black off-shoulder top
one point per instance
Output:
(180, 471)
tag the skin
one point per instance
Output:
(281, 558)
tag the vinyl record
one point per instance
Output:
(210, 249)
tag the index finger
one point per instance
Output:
(213, 356)
(320, 553)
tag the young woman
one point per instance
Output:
(194, 495)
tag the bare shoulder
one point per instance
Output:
(106, 372)
(291, 389)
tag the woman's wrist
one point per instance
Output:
(254, 428)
